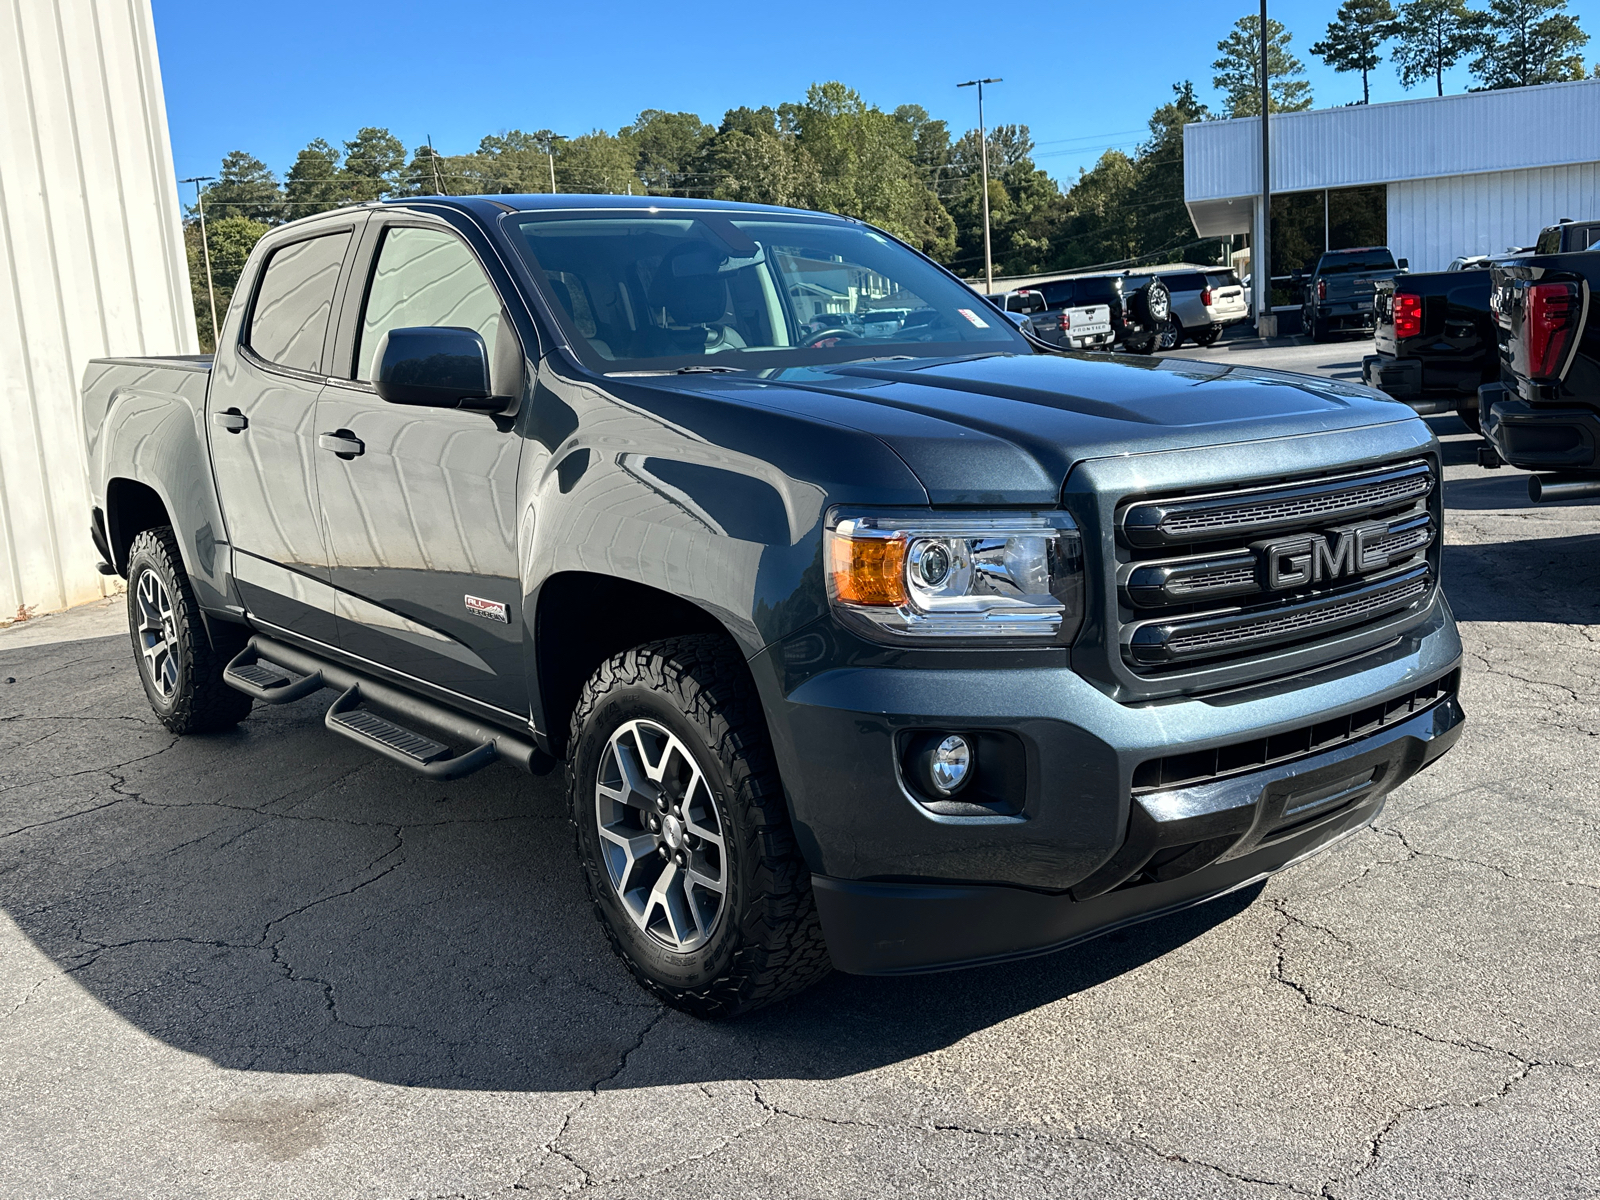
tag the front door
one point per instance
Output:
(419, 504)
(262, 410)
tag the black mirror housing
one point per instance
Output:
(435, 367)
(1403, 264)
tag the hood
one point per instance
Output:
(1007, 429)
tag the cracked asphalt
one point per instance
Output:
(267, 964)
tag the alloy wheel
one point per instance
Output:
(660, 836)
(158, 634)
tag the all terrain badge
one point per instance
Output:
(489, 610)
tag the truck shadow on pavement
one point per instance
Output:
(276, 900)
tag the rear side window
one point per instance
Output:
(425, 277)
(1057, 294)
(1224, 279)
(295, 299)
(1184, 283)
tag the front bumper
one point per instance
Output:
(1249, 826)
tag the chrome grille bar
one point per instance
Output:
(1249, 513)
(1180, 640)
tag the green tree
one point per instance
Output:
(669, 148)
(863, 159)
(1355, 35)
(314, 183)
(374, 161)
(1527, 42)
(755, 159)
(1435, 35)
(230, 240)
(1239, 70)
(245, 188)
(597, 163)
(511, 163)
(1164, 218)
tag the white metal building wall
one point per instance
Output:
(91, 263)
(1432, 221)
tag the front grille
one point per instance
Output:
(1207, 766)
(1211, 579)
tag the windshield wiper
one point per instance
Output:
(707, 369)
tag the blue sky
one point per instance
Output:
(1082, 76)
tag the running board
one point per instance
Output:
(276, 673)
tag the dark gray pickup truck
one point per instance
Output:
(889, 652)
(1339, 293)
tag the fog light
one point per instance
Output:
(949, 765)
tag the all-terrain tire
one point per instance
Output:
(767, 942)
(1207, 337)
(189, 695)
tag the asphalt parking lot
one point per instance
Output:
(266, 963)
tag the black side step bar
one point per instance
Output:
(276, 674)
(421, 754)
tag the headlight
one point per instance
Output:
(969, 577)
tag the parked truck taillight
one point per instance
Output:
(1551, 326)
(1066, 321)
(1322, 289)
(1407, 315)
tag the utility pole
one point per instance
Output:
(983, 155)
(433, 161)
(205, 250)
(551, 155)
(1266, 320)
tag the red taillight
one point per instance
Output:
(1549, 327)
(1407, 315)
(1322, 289)
(1205, 296)
(1066, 320)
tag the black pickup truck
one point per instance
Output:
(1543, 414)
(1435, 341)
(1338, 294)
(869, 633)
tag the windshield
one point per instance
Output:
(1342, 264)
(675, 290)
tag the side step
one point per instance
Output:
(275, 673)
(265, 682)
(422, 754)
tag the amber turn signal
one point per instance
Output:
(869, 570)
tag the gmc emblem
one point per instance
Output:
(1319, 558)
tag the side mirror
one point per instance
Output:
(1403, 264)
(435, 367)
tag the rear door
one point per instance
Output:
(262, 409)
(422, 519)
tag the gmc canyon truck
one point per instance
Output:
(888, 654)
(1435, 341)
(1543, 414)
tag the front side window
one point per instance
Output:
(661, 291)
(290, 315)
(424, 277)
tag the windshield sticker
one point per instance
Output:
(973, 317)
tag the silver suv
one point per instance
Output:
(1204, 303)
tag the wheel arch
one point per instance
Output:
(582, 618)
(131, 508)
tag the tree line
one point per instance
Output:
(899, 169)
(1512, 43)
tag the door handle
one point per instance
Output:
(343, 443)
(233, 420)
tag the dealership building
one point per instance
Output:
(92, 263)
(1433, 179)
